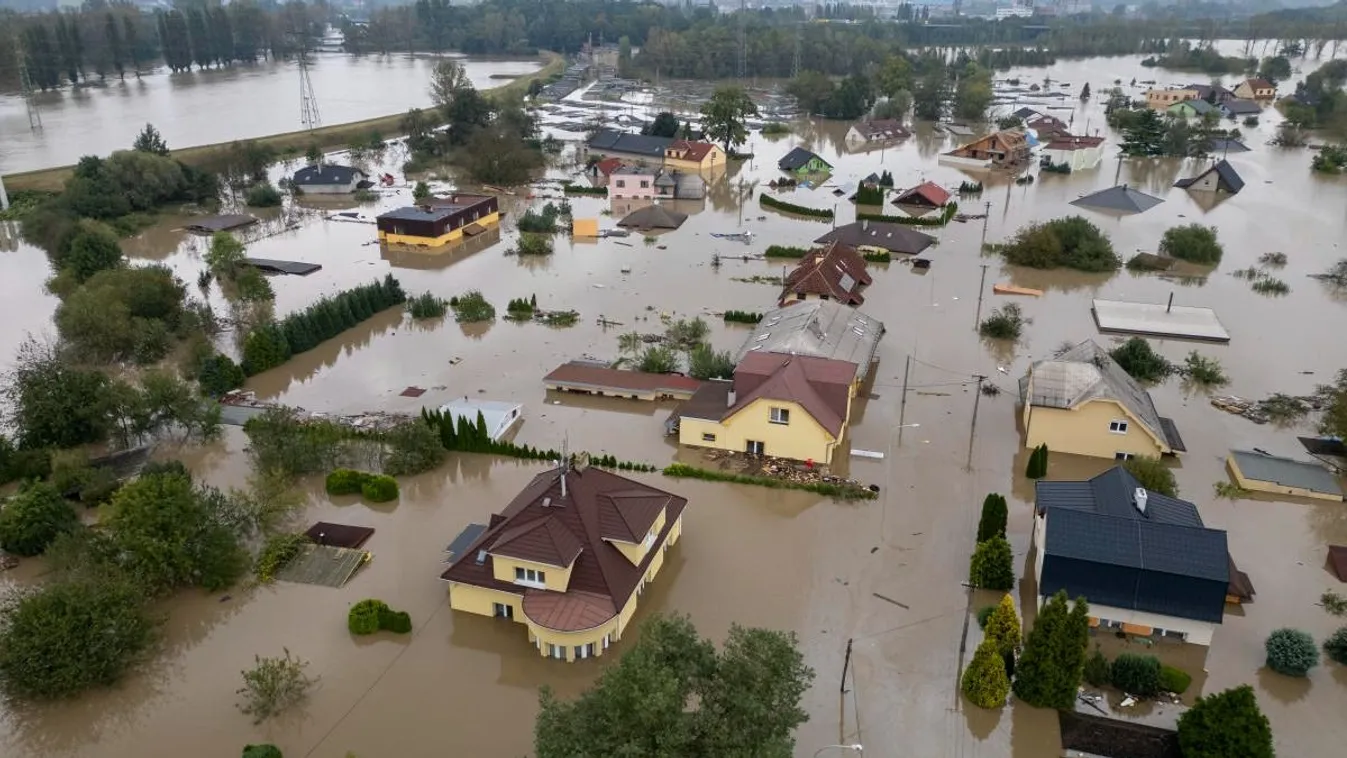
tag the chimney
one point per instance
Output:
(865, 224)
(1139, 498)
(730, 397)
(563, 483)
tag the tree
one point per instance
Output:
(420, 193)
(264, 751)
(150, 141)
(993, 520)
(1194, 243)
(1003, 627)
(226, 256)
(672, 694)
(992, 566)
(811, 90)
(657, 359)
(665, 125)
(1140, 361)
(1049, 670)
(448, 82)
(1275, 69)
(724, 114)
(1085, 93)
(1335, 647)
(1097, 672)
(704, 362)
(273, 685)
(973, 93)
(32, 519)
(1070, 242)
(496, 156)
(218, 374)
(1291, 652)
(1143, 133)
(985, 683)
(928, 99)
(1153, 474)
(1334, 399)
(1136, 674)
(1228, 724)
(124, 313)
(894, 76)
(413, 448)
(53, 404)
(92, 248)
(1037, 467)
(624, 56)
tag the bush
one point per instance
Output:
(1070, 242)
(32, 519)
(940, 219)
(1194, 243)
(782, 251)
(1203, 371)
(218, 374)
(1228, 724)
(1269, 285)
(345, 481)
(580, 189)
(1037, 467)
(882, 256)
(534, 244)
(273, 685)
(1336, 645)
(1097, 670)
(868, 195)
(704, 362)
(1136, 674)
(657, 359)
(828, 489)
(261, 751)
(742, 317)
(472, 307)
(781, 205)
(380, 489)
(413, 448)
(992, 565)
(263, 195)
(277, 551)
(1174, 680)
(985, 613)
(984, 681)
(363, 617)
(993, 520)
(1153, 474)
(426, 306)
(1005, 323)
(398, 622)
(1140, 361)
(1291, 652)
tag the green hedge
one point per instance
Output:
(742, 317)
(785, 251)
(379, 488)
(836, 491)
(580, 189)
(781, 205)
(272, 344)
(370, 615)
(345, 481)
(946, 214)
(1174, 680)
(879, 257)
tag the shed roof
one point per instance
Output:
(1121, 198)
(1260, 84)
(1223, 145)
(818, 328)
(878, 129)
(896, 238)
(633, 144)
(1286, 472)
(418, 213)
(1198, 106)
(600, 376)
(1240, 107)
(930, 192)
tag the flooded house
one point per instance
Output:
(879, 236)
(1083, 403)
(687, 155)
(1148, 565)
(1009, 147)
(1220, 177)
(1239, 107)
(328, 179)
(635, 181)
(1192, 109)
(876, 130)
(1162, 99)
(782, 405)
(1214, 94)
(632, 148)
(1261, 472)
(568, 558)
(1077, 153)
(498, 416)
(833, 272)
(821, 329)
(1256, 89)
(802, 162)
(924, 195)
(439, 221)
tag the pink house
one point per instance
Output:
(632, 182)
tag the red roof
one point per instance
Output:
(926, 193)
(608, 165)
(1258, 84)
(821, 386)
(826, 271)
(1072, 142)
(597, 506)
(599, 376)
(688, 150)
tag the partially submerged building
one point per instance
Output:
(1077, 153)
(1256, 89)
(328, 179)
(1003, 149)
(1220, 177)
(634, 181)
(596, 378)
(879, 236)
(1163, 99)
(1261, 472)
(498, 416)
(1083, 403)
(820, 329)
(801, 161)
(1236, 107)
(568, 558)
(1121, 199)
(687, 155)
(653, 217)
(636, 148)
(924, 195)
(876, 130)
(833, 272)
(439, 221)
(1145, 561)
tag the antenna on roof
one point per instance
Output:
(565, 462)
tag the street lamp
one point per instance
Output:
(855, 747)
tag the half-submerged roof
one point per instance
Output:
(835, 271)
(797, 158)
(1087, 372)
(653, 217)
(1238, 106)
(633, 144)
(1122, 199)
(1227, 179)
(1226, 145)
(818, 328)
(878, 129)
(819, 385)
(926, 193)
(326, 173)
(1286, 472)
(575, 528)
(896, 238)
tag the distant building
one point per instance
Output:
(639, 148)
(1014, 10)
(819, 328)
(1009, 147)
(1260, 472)
(833, 272)
(328, 179)
(1238, 106)
(686, 155)
(1191, 109)
(636, 181)
(1212, 93)
(1256, 89)
(802, 161)
(1079, 153)
(1162, 99)
(439, 221)
(876, 130)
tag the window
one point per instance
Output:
(556, 651)
(621, 183)
(1117, 427)
(754, 447)
(1122, 456)
(530, 576)
(648, 541)
(645, 184)
(708, 437)
(780, 415)
(502, 611)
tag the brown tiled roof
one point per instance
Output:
(820, 385)
(1072, 142)
(930, 192)
(589, 374)
(709, 402)
(691, 151)
(823, 271)
(608, 165)
(1260, 84)
(895, 238)
(883, 128)
(1337, 559)
(598, 506)
(543, 540)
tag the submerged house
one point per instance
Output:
(1083, 403)
(499, 417)
(568, 558)
(876, 130)
(1256, 89)
(1236, 107)
(1078, 153)
(801, 161)
(1145, 561)
(1261, 472)
(819, 329)
(635, 181)
(1009, 147)
(1192, 109)
(636, 148)
(883, 236)
(328, 179)
(439, 221)
(924, 195)
(686, 155)
(1221, 177)
(1163, 99)
(834, 272)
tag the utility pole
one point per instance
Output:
(902, 404)
(982, 286)
(308, 101)
(972, 427)
(986, 214)
(842, 696)
(795, 64)
(26, 87)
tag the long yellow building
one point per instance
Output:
(439, 221)
(568, 558)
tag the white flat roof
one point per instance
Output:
(1159, 320)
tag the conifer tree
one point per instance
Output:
(993, 521)
(992, 566)
(984, 681)
(1003, 627)
(1049, 670)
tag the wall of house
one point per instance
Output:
(1078, 160)
(1085, 431)
(1261, 485)
(1194, 632)
(330, 189)
(470, 598)
(557, 579)
(802, 439)
(1210, 183)
(629, 186)
(450, 235)
(635, 552)
(960, 161)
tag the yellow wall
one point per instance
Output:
(557, 579)
(635, 552)
(473, 599)
(491, 219)
(801, 439)
(1260, 485)
(1084, 431)
(714, 158)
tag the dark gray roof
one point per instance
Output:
(1286, 472)
(326, 173)
(654, 217)
(415, 213)
(1240, 107)
(1201, 106)
(1230, 180)
(796, 158)
(632, 144)
(465, 538)
(1121, 198)
(1223, 145)
(896, 238)
(295, 268)
(1023, 113)
(1100, 545)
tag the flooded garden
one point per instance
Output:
(883, 578)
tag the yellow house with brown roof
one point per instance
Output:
(686, 155)
(568, 558)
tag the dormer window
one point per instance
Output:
(530, 577)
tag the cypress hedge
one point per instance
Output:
(272, 344)
(742, 317)
(781, 205)
(785, 251)
(580, 189)
(472, 437)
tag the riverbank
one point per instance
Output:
(326, 137)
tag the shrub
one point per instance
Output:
(985, 613)
(363, 617)
(263, 195)
(380, 488)
(413, 448)
(1226, 725)
(992, 565)
(1037, 467)
(32, 519)
(1097, 669)
(1270, 286)
(1005, 323)
(868, 195)
(940, 219)
(534, 244)
(742, 317)
(427, 305)
(993, 521)
(277, 551)
(262, 751)
(345, 481)
(1174, 680)
(657, 359)
(704, 362)
(1336, 645)
(1071, 242)
(219, 374)
(828, 489)
(1136, 674)
(1140, 361)
(398, 622)
(471, 307)
(1291, 652)
(1204, 371)
(1003, 628)
(1153, 474)
(782, 251)
(781, 205)
(1194, 243)
(273, 685)
(882, 256)
(984, 681)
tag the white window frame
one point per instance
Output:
(1118, 426)
(779, 416)
(1122, 456)
(708, 437)
(648, 541)
(530, 577)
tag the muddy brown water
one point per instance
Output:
(467, 686)
(185, 107)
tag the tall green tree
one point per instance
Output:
(992, 565)
(993, 520)
(984, 681)
(53, 404)
(723, 116)
(32, 519)
(1228, 724)
(672, 694)
(131, 44)
(928, 99)
(973, 93)
(1003, 627)
(112, 37)
(1049, 670)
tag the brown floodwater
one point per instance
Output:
(467, 686)
(186, 107)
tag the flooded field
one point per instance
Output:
(186, 107)
(467, 686)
